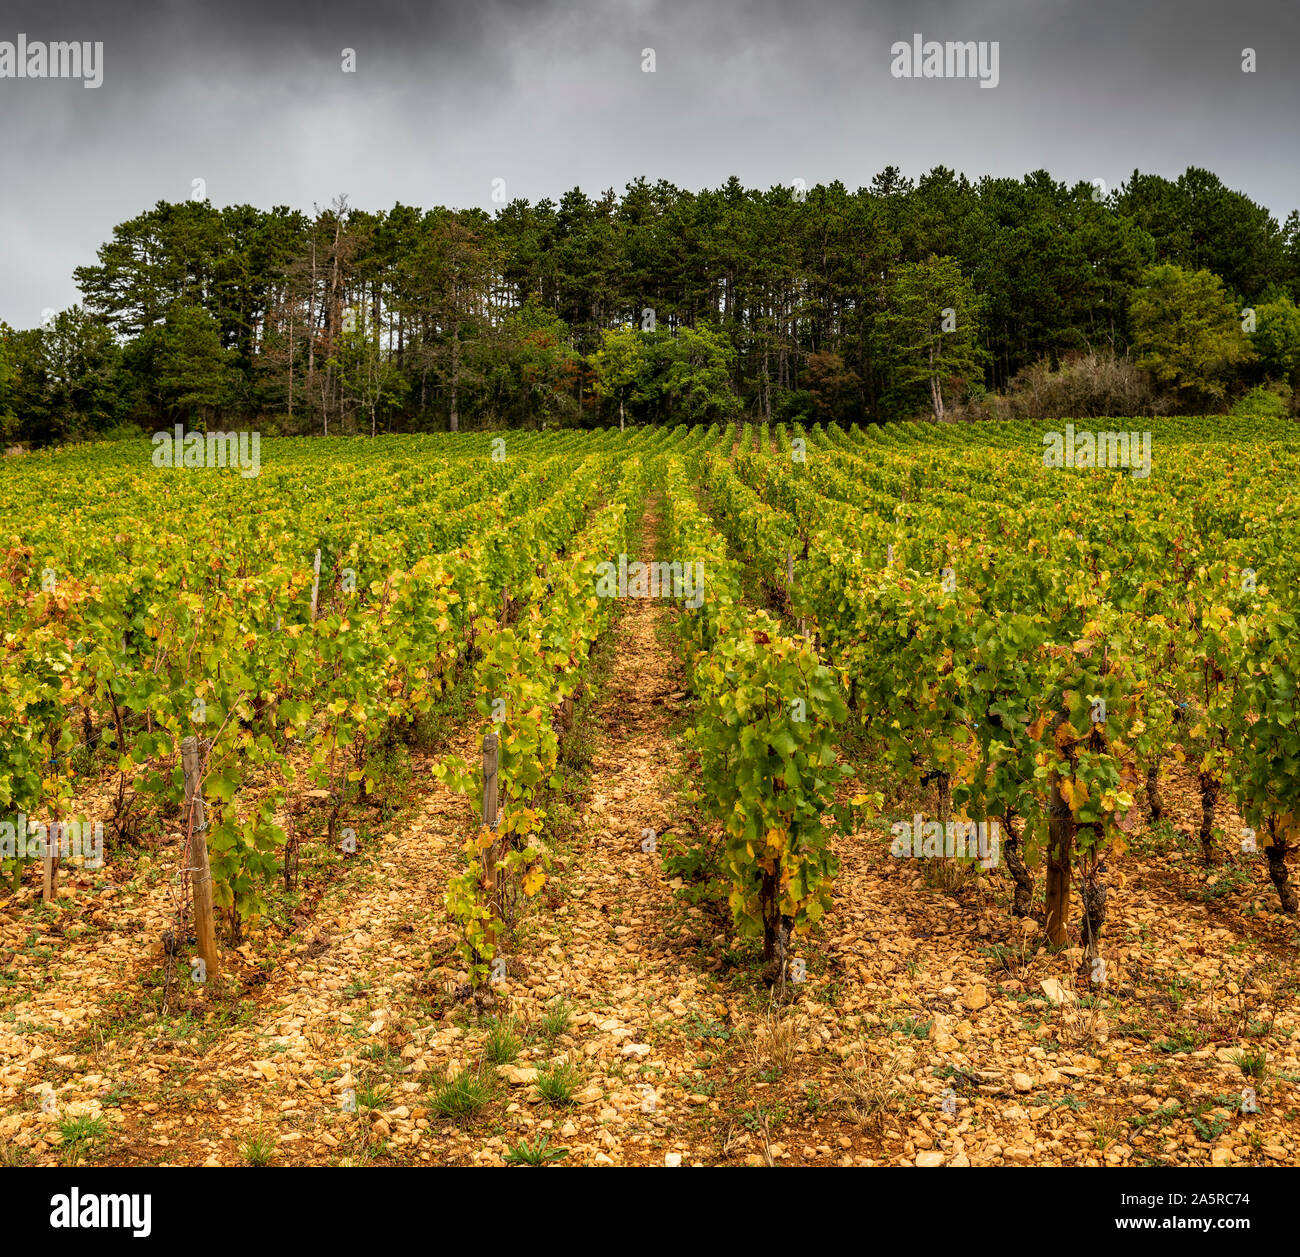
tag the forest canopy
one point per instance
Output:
(819, 304)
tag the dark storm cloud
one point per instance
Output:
(546, 94)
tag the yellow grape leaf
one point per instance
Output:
(534, 880)
(1075, 793)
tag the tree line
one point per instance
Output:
(662, 303)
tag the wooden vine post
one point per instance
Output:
(789, 589)
(491, 852)
(315, 587)
(50, 862)
(205, 930)
(490, 781)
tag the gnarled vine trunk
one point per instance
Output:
(944, 784)
(1093, 892)
(776, 932)
(1155, 805)
(1209, 797)
(1020, 875)
(1276, 851)
(1060, 855)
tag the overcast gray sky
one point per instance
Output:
(548, 94)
